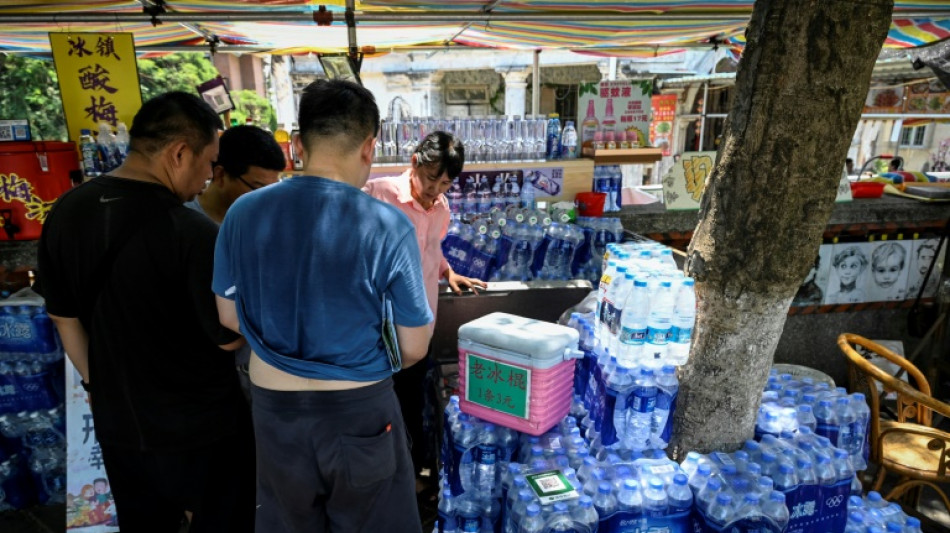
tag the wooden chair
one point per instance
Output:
(908, 447)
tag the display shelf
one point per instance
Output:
(622, 156)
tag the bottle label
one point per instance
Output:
(681, 335)
(658, 335)
(643, 404)
(633, 336)
(484, 455)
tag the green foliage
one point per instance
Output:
(250, 104)
(646, 87)
(174, 72)
(31, 91)
(587, 88)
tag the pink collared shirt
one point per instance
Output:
(431, 226)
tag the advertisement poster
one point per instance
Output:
(884, 99)
(683, 185)
(547, 181)
(661, 128)
(927, 97)
(614, 107)
(98, 79)
(89, 504)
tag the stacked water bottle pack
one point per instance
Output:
(609, 180)
(646, 308)
(32, 423)
(805, 472)
(789, 404)
(520, 244)
(874, 514)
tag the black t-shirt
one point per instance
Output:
(158, 379)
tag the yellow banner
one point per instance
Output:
(98, 79)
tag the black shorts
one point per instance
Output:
(333, 461)
(152, 490)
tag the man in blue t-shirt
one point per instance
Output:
(302, 269)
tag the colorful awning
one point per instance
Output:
(639, 24)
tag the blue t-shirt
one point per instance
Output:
(307, 261)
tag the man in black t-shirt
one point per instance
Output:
(126, 271)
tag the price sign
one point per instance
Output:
(499, 386)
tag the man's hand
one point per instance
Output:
(456, 282)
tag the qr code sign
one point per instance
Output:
(6, 133)
(551, 484)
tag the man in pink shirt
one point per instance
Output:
(419, 192)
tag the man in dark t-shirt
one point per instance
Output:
(126, 272)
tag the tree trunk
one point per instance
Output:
(800, 88)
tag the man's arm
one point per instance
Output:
(413, 343)
(227, 314)
(75, 342)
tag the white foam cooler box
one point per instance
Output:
(516, 371)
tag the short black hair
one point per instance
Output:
(245, 146)
(337, 108)
(897, 163)
(443, 150)
(171, 117)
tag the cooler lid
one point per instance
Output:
(533, 338)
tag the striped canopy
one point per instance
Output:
(641, 27)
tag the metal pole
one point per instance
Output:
(702, 119)
(351, 29)
(536, 84)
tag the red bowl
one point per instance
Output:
(867, 189)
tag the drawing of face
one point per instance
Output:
(887, 272)
(924, 258)
(848, 270)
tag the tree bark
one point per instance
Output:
(800, 88)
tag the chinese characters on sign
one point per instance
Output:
(14, 188)
(612, 107)
(89, 503)
(661, 128)
(499, 386)
(98, 79)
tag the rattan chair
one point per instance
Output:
(907, 447)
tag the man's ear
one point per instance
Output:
(368, 150)
(297, 143)
(175, 154)
(218, 175)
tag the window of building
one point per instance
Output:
(914, 136)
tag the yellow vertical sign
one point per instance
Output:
(98, 79)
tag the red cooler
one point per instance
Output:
(32, 176)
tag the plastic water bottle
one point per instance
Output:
(660, 319)
(468, 515)
(633, 321)
(121, 141)
(846, 424)
(805, 417)
(618, 388)
(683, 320)
(862, 417)
(605, 503)
(533, 522)
(679, 495)
(629, 498)
(554, 137)
(569, 141)
(106, 145)
(667, 390)
(585, 514)
(642, 405)
(720, 511)
(485, 456)
(827, 420)
(785, 478)
(706, 496)
(90, 154)
(447, 519)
